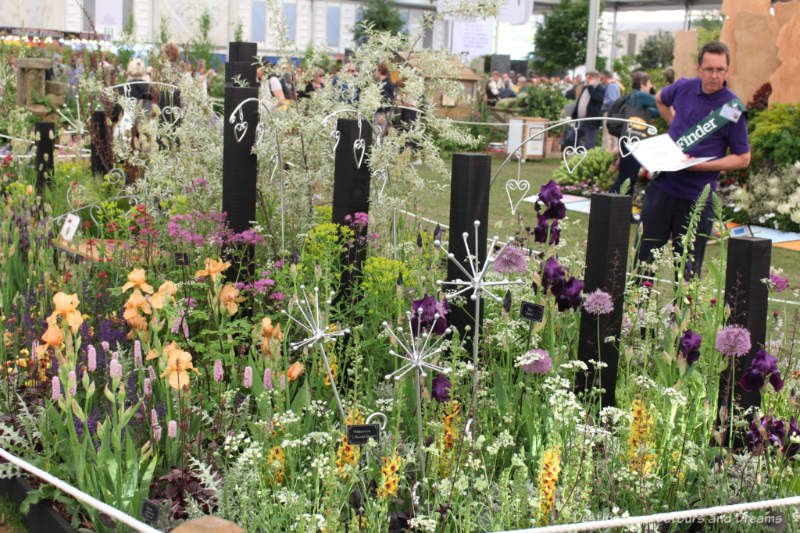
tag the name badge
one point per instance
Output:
(730, 113)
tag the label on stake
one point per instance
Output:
(361, 433)
(150, 512)
(531, 311)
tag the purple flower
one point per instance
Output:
(115, 369)
(540, 232)
(218, 372)
(56, 389)
(441, 388)
(511, 260)
(91, 358)
(148, 387)
(598, 303)
(437, 233)
(278, 296)
(540, 362)
(778, 283)
(689, 345)
(360, 219)
(570, 295)
(768, 427)
(424, 315)
(137, 354)
(157, 432)
(556, 211)
(248, 377)
(549, 194)
(553, 275)
(733, 340)
(153, 417)
(763, 365)
(279, 263)
(267, 379)
(172, 429)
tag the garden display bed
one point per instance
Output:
(42, 517)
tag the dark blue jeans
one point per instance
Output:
(587, 132)
(666, 217)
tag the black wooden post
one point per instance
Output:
(351, 178)
(100, 142)
(747, 296)
(239, 165)
(606, 263)
(241, 64)
(45, 139)
(469, 201)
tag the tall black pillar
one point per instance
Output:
(606, 264)
(469, 201)
(102, 156)
(45, 140)
(241, 64)
(351, 178)
(747, 296)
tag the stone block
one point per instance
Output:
(784, 80)
(39, 110)
(784, 11)
(208, 524)
(42, 63)
(56, 100)
(756, 55)
(55, 87)
(685, 54)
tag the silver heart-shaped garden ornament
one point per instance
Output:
(259, 132)
(239, 131)
(359, 148)
(574, 151)
(516, 185)
(337, 136)
(172, 113)
(627, 145)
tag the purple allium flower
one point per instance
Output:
(733, 340)
(137, 354)
(511, 260)
(148, 387)
(115, 369)
(72, 382)
(763, 365)
(598, 303)
(424, 315)
(172, 429)
(248, 377)
(91, 358)
(778, 283)
(541, 362)
(570, 295)
(219, 373)
(441, 388)
(56, 389)
(553, 275)
(689, 345)
(267, 379)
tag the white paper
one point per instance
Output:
(662, 154)
(71, 223)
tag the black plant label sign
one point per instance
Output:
(361, 433)
(150, 512)
(531, 311)
(181, 259)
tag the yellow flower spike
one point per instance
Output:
(549, 469)
(229, 297)
(136, 279)
(213, 269)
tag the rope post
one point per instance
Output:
(606, 262)
(100, 142)
(351, 180)
(469, 201)
(239, 164)
(748, 299)
(45, 139)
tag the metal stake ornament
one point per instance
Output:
(416, 351)
(315, 324)
(477, 284)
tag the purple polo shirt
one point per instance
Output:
(691, 106)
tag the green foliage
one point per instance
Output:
(775, 137)
(770, 198)
(380, 15)
(163, 31)
(709, 27)
(200, 46)
(238, 33)
(542, 100)
(560, 41)
(657, 51)
(624, 68)
(596, 173)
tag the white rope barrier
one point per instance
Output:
(79, 495)
(675, 516)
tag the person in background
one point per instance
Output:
(491, 93)
(705, 119)
(590, 100)
(669, 75)
(576, 88)
(640, 98)
(522, 84)
(613, 91)
(314, 85)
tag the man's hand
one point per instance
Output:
(729, 162)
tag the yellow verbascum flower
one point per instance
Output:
(549, 469)
(390, 477)
(347, 454)
(641, 438)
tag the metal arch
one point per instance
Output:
(115, 178)
(126, 85)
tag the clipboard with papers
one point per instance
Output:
(662, 154)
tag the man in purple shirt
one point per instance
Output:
(706, 119)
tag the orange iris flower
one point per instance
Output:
(53, 336)
(271, 338)
(213, 269)
(66, 306)
(295, 370)
(137, 279)
(136, 302)
(229, 296)
(178, 363)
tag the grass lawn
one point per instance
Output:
(436, 205)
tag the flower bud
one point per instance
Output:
(218, 371)
(172, 429)
(248, 377)
(268, 379)
(137, 354)
(56, 394)
(115, 369)
(148, 387)
(91, 357)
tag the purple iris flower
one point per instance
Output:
(441, 388)
(570, 295)
(689, 346)
(429, 306)
(763, 365)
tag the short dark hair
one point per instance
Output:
(639, 78)
(714, 47)
(605, 74)
(383, 69)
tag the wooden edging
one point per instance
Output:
(42, 517)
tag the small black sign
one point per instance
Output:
(360, 433)
(531, 311)
(181, 258)
(150, 512)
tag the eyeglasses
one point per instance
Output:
(711, 71)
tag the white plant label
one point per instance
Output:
(71, 224)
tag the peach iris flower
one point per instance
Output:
(213, 269)
(66, 306)
(229, 296)
(178, 363)
(137, 279)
